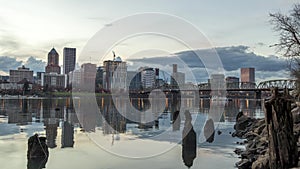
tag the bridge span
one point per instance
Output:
(232, 89)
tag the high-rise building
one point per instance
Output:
(75, 78)
(114, 74)
(16, 76)
(53, 62)
(147, 77)
(178, 78)
(232, 82)
(88, 76)
(99, 77)
(248, 77)
(134, 81)
(54, 80)
(69, 59)
(217, 84)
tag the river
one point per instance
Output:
(111, 135)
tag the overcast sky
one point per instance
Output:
(32, 27)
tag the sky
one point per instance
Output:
(29, 29)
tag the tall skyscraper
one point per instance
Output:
(177, 78)
(248, 75)
(114, 75)
(69, 59)
(88, 76)
(147, 77)
(53, 62)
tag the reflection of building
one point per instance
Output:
(67, 138)
(69, 59)
(19, 114)
(20, 74)
(113, 122)
(53, 64)
(67, 135)
(178, 78)
(51, 122)
(232, 82)
(115, 72)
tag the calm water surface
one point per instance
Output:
(80, 139)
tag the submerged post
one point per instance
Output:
(283, 151)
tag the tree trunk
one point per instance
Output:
(282, 142)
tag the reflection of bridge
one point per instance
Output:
(233, 89)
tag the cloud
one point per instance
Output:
(236, 57)
(35, 65)
(7, 63)
(233, 58)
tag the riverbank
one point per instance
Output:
(254, 132)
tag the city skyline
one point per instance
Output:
(26, 36)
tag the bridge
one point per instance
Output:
(233, 89)
(289, 84)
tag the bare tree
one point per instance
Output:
(288, 27)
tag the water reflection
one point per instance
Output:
(58, 121)
(189, 145)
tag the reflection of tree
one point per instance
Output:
(189, 145)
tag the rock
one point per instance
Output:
(238, 151)
(243, 122)
(219, 132)
(37, 147)
(243, 164)
(37, 153)
(261, 163)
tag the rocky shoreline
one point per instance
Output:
(254, 133)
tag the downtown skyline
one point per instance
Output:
(31, 28)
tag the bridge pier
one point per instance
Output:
(258, 94)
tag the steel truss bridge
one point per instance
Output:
(231, 88)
